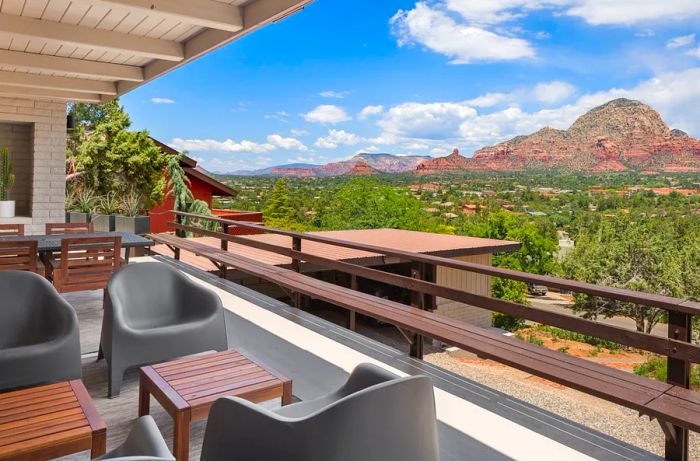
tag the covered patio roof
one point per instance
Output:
(96, 50)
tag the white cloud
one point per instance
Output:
(279, 115)
(301, 159)
(369, 111)
(162, 101)
(286, 143)
(435, 127)
(327, 114)
(228, 145)
(368, 150)
(337, 138)
(695, 52)
(627, 12)
(334, 94)
(274, 142)
(645, 33)
(298, 133)
(488, 99)
(437, 120)
(463, 42)
(681, 41)
(553, 92)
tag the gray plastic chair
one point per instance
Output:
(144, 443)
(154, 313)
(375, 416)
(39, 337)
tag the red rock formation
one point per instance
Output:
(299, 172)
(452, 163)
(617, 136)
(361, 168)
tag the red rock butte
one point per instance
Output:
(620, 135)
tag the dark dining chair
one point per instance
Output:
(144, 443)
(84, 263)
(39, 338)
(20, 255)
(11, 230)
(69, 228)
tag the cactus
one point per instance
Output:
(7, 178)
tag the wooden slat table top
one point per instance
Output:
(197, 381)
(47, 421)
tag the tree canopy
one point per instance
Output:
(112, 159)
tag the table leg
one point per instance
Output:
(181, 442)
(286, 393)
(99, 444)
(144, 397)
(127, 252)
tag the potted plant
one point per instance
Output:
(131, 219)
(83, 204)
(107, 208)
(7, 180)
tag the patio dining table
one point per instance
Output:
(51, 243)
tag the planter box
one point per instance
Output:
(76, 216)
(104, 222)
(135, 224)
(7, 209)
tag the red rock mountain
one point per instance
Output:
(299, 172)
(361, 168)
(617, 136)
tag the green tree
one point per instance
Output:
(363, 203)
(642, 253)
(112, 159)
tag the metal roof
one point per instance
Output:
(95, 50)
(448, 246)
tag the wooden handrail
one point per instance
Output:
(652, 343)
(646, 299)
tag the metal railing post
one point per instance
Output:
(679, 328)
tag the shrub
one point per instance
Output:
(657, 368)
(580, 337)
(507, 322)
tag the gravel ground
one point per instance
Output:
(619, 422)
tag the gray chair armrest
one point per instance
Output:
(144, 443)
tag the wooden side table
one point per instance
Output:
(187, 388)
(46, 422)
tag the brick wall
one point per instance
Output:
(40, 185)
(467, 281)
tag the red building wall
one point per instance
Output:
(161, 215)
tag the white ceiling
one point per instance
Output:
(94, 50)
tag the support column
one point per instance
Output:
(417, 300)
(679, 328)
(296, 267)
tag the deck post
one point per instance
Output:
(352, 325)
(679, 328)
(223, 272)
(296, 267)
(417, 300)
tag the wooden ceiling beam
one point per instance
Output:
(68, 34)
(39, 93)
(46, 63)
(203, 13)
(48, 82)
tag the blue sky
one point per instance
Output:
(407, 77)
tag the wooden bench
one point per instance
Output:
(670, 405)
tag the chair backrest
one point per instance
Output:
(165, 295)
(18, 255)
(12, 230)
(391, 421)
(69, 228)
(87, 263)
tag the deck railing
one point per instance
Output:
(677, 346)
